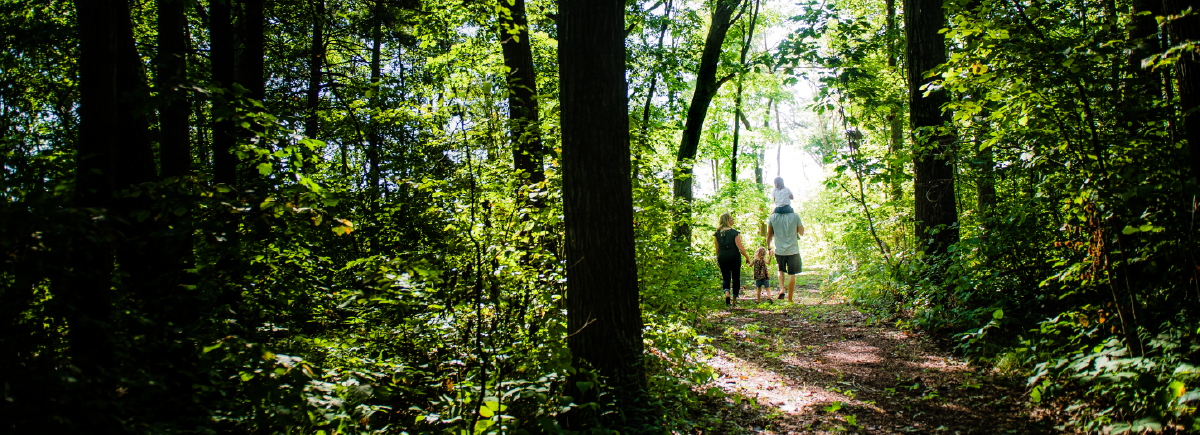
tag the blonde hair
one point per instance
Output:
(725, 222)
(760, 253)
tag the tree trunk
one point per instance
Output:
(524, 125)
(737, 111)
(223, 55)
(602, 296)
(706, 88)
(644, 137)
(224, 141)
(1143, 28)
(986, 176)
(88, 289)
(316, 62)
(174, 148)
(895, 121)
(374, 139)
(934, 209)
(251, 70)
(761, 153)
(1187, 73)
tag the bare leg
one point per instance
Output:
(791, 286)
(781, 277)
(758, 295)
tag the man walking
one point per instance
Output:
(786, 229)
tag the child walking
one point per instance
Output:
(761, 277)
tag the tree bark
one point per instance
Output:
(175, 147)
(1187, 73)
(603, 315)
(1143, 28)
(644, 137)
(524, 124)
(374, 139)
(707, 86)
(223, 55)
(737, 112)
(316, 62)
(934, 210)
(895, 121)
(89, 288)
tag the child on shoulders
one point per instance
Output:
(782, 196)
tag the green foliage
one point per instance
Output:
(1084, 248)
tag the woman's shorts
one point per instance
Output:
(766, 282)
(789, 264)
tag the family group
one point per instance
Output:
(784, 228)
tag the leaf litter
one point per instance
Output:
(820, 366)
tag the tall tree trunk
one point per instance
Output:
(316, 63)
(760, 154)
(251, 70)
(139, 252)
(251, 74)
(737, 111)
(986, 176)
(1143, 28)
(935, 207)
(895, 120)
(644, 137)
(524, 124)
(175, 147)
(88, 289)
(707, 86)
(374, 139)
(224, 141)
(1187, 73)
(223, 55)
(602, 298)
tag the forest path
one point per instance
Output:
(819, 366)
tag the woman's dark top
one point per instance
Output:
(726, 245)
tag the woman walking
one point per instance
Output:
(728, 242)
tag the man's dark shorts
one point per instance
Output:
(789, 264)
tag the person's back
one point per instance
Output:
(785, 228)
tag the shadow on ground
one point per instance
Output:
(820, 366)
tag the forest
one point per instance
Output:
(497, 216)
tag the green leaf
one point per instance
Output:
(264, 168)
(834, 407)
(1177, 389)
(998, 314)
(584, 386)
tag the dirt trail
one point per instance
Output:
(820, 366)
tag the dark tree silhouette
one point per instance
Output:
(934, 210)
(602, 295)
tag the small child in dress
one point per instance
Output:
(762, 277)
(782, 196)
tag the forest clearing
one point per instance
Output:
(530, 216)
